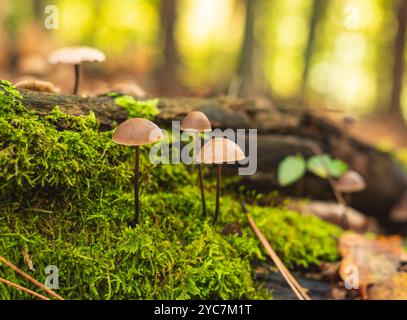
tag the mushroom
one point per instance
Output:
(37, 85)
(137, 132)
(350, 182)
(218, 151)
(75, 56)
(197, 122)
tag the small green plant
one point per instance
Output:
(292, 168)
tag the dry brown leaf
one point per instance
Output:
(393, 289)
(376, 259)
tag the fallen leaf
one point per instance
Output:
(392, 289)
(375, 260)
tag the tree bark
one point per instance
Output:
(245, 69)
(166, 72)
(398, 70)
(318, 9)
(281, 132)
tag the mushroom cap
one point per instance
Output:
(220, 150)
(137, 132)
(350, 182)
(196, 121)
(37, 85)
(76, 55)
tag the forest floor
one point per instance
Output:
(386, 130)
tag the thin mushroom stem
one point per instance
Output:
(77, 78)
(338, 196)
(348, 198)
(201, 184)
(136, 186)
(200, 173)
(218, 176)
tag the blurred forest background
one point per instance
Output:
(332, 55)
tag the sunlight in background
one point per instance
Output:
(74, 16)
(127, 29)
(351, 67)
(286, 35)
(342, 76)
(209, 36)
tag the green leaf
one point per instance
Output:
(325, 166)
(290, 170)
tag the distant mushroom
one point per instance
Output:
(197, 122)
(350, 182)
(37, 85)
(75, 56)
(137, 132)
(218, 151)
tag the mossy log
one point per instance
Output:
(281, 132)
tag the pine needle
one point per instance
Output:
(294, 285)
(15, 285)
(29, 278)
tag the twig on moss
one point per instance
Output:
(15, 285)
(29, 278)
(294, 285)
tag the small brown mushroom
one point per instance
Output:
(218, 151)
(37, 85)
(197, 122)
(137, 132)
(350, 182)
(75, 56)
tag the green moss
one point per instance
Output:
(300, 240)
(138, 108)
(66, 194)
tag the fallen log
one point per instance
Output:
(281, 132)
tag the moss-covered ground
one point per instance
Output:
(66, 199)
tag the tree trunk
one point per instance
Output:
(398, 70)
(3, 34)
(318, 10)
(281, 132)
(167, 70)
(245, 69)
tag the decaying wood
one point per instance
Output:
(332, 212)
(281, 132)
